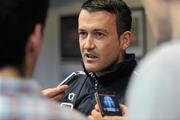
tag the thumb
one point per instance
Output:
(124, 109)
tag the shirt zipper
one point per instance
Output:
(95, 81)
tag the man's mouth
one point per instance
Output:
(91, 56)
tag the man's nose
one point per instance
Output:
(89, 43)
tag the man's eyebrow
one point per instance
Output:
(95, 30)
(103, 30)
(80, 29)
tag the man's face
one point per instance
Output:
(158, 14)
(98, 39)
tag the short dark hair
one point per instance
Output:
(17, 21)
(118, 7)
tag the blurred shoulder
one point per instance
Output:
(165, 54)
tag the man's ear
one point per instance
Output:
(33, 49)
(35, 39)
(125, 40)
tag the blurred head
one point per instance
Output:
(158, 13)
(21, 23)
(104, 33)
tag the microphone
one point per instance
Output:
(69, 79)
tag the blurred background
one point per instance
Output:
(60, 51)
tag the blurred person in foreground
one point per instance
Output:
(21, 27)
(104, 35)
(155, 93)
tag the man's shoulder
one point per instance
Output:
(30, 107)
(51, 109)
(157, 78)
(158, 64)
(163, 54)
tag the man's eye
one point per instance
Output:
(82, 34)
(99, 35)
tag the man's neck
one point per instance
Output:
(175, 20)
(176, 31)
(9, 72)
(112, 65)
(176, 27)
(109, 68)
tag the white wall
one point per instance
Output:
(150, 41)
(49, 66)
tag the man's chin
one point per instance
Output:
(92, 69)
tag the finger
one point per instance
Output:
(90, 118)
(97, 107)
(58, 97)
(96, 114)
(124, 109)
(52, 92)
(62, 88)
(115, 118)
